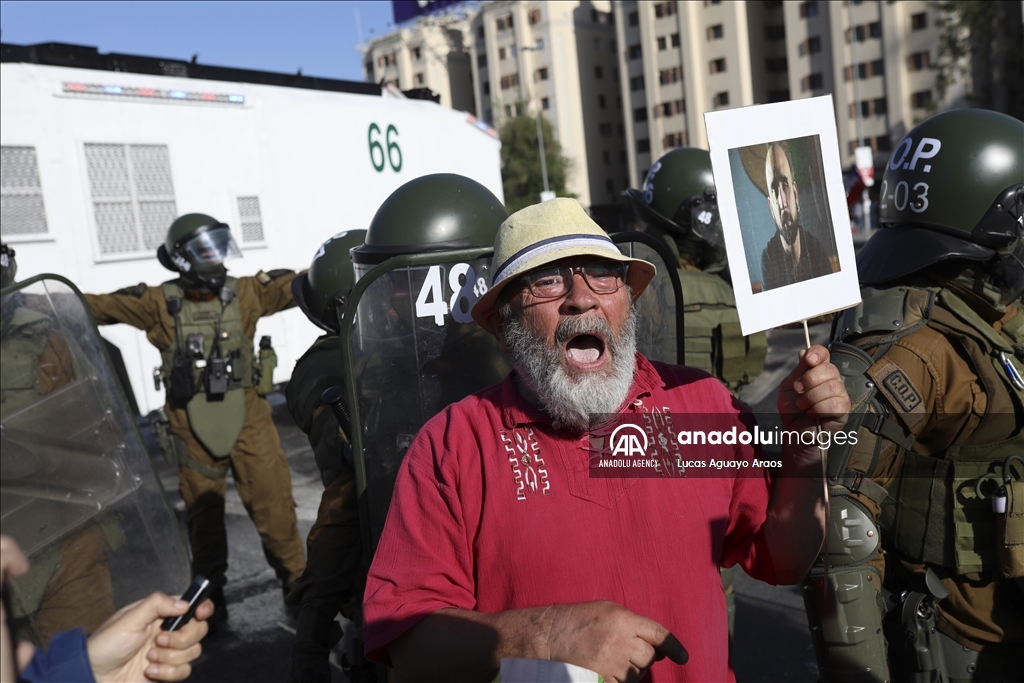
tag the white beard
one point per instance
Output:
(566, 395)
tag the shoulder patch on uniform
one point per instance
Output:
(266, 278)
(137, 291)
(900, 391)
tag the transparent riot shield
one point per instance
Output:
(411, 348)
(79, 494)
(659, 332)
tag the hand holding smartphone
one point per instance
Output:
(195, 594)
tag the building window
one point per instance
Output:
(504, 23)
(512, 51)
(636, 83)
(673, 140)
(776, 65)
(808, 9)
(416, 53)
(664, 9)
(640, 114)
(132, 196)
(812, 82)
(487, 87)
(251, 219)
(501, 54)
(635, 52)
(541, 74)
(875, 29)
(598, 73)
(775, 33)
(634, 18)
(602, 102)
(716, 32)
(480, 32)
(510, 81)
(670, 108)
(539, 44)
(390, 59)
(605, 130)
(533, 16)
(919, 21)
(876, 68)
(545, 103)
(489, 116)
(620, 129)
(21, 193)
(717, 66)
(612, 46)
(606, 156)
(615, 74)
(622, 157)
(778, 95)
(810, 46)
(666, 76)
(418, 79)
(508, 110)
(662, 43)
(921, 99)
(721, 99)
(919, 61)
(481, 61)
(883, 144)
(880, 106)
(643, 146)
(675, 40)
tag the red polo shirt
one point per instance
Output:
(495, 508)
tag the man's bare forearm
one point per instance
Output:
(462, 645)
(795, 527)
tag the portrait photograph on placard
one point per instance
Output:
(788, 234)
(783, 209)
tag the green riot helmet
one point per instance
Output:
(8, 266)
(197, 246)
(321, 292)
(953, 189)
(432, 213)
(679, 199)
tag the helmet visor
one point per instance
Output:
(212, 248)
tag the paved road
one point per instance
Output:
(772, 642)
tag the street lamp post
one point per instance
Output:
(546, 194)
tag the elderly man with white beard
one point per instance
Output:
(501, 544)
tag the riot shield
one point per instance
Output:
(410, 348)
(659, 331)
(79, 493)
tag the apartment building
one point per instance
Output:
(432, 52)
(559, 58)
(681, 59)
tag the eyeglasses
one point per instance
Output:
(603, 277)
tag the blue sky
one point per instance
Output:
(318, 37)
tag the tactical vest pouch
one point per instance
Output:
(267, 362)
(734, 351)
(974, 521)
(1010, 532)
(217, 424)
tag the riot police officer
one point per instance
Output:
(432, 213)
(926, 540)
(678, 204)
(203, 322)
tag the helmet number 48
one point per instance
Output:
(465, 286)
(377, 156)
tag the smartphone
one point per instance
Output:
(195, 594)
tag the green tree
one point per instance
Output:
(520, 162)
(983, 40)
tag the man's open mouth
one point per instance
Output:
(585, 350)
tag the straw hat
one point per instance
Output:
(547, 232)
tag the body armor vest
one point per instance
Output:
(24, 338)
(932, 512)
(714, 340)
(198, 324)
